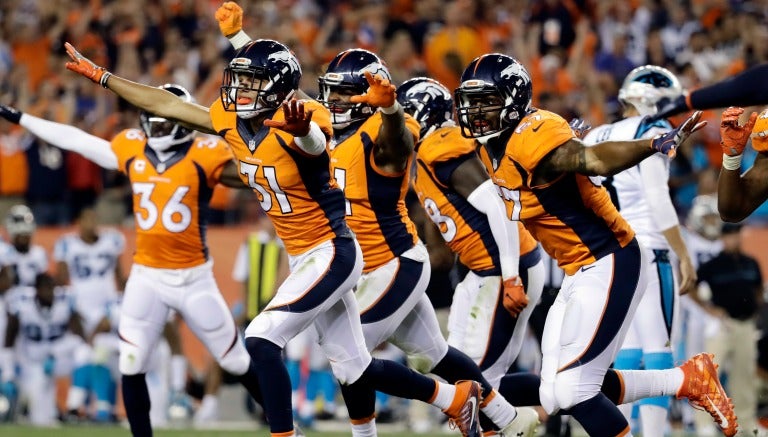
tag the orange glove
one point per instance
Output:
(82, 65)
(733, 136)
(296, 120)
(230, 18)
(760, 132)
(381, 93)
(515, 300)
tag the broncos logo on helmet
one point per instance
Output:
(262, 75)
(494, 94)
(428, 102)
(345, 74)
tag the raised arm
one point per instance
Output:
(611, 157)
(395, 144)
(154, 100)
(64, 137)
(738, 195)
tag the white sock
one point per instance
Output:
(626, 411)
(445, 395)
(641, 384)
(366, 429)
(178, 373)
(653, 420)
(76, 397)
(501, 412)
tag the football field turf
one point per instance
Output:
(116, 431)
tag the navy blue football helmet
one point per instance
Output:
(427, 101)
(345, 72)
(493, 83)
(265, 66)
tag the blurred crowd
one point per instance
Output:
(578, 52)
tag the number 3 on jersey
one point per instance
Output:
(250, 170)
(175, 215)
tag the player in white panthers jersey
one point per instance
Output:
(21, 259)
(641, 194)
(89, 261)
(43, 321)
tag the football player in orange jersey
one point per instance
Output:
(542, 172)
(459, 197)
(371, 158)
(280, 147)
(172, 174)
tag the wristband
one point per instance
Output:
(731, 162)
(103, 80)
(391, 109)
(239, 39)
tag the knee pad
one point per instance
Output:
(133, 360)
(547, 398)
(628, 359)
(570, 388)
(237, 360)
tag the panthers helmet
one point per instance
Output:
(345, 72)
(265, 67)
(20, 221)
(427, 101)
(162, 134)
(648, 88)
(703, 218)
(495, 92)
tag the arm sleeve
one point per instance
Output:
(71, 138)
(655, 178)
(505, 233)
(314, 142)
(747, 88)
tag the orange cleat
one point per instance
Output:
(702, 387)
(464, 411)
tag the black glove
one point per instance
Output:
(11, 114)
(672, 107)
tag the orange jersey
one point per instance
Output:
(465, 229)
(572, 217)
(295, 189)
(170, 198)
(375, 207)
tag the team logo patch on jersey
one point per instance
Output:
(139, 165)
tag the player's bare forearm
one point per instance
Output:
(161, 103)
(738, 195)
(604, 159)
(395, 142)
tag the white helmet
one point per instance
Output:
(648, 88)
(20, 221)
(703, 218)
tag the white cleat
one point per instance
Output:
(524, 424)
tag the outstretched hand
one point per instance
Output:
(668, 142)
(230, 18)
(381, 92)
(580, 127)
(734, 136)
(296, 119)
(84, 66)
